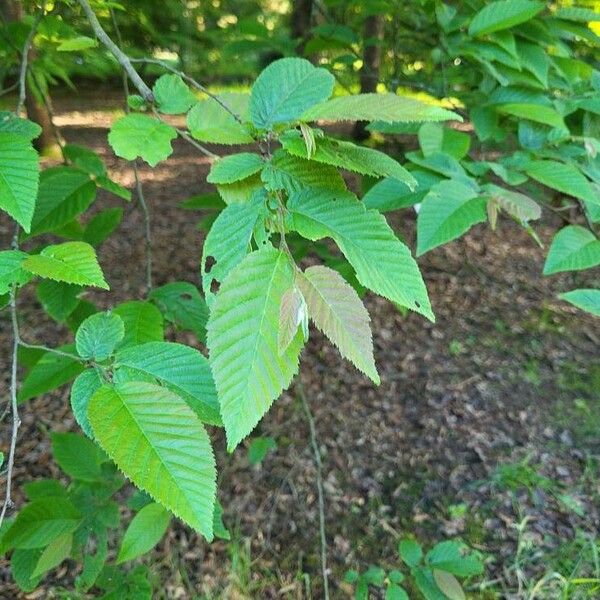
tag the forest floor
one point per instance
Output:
(486, 426)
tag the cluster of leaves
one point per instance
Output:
(436, 574)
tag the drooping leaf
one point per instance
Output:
(228, 242)
(564, 178)
(517, 205)
(292, 315)
(19, 176)
(143, 323)
(84, 387)
(351, 157)
(182, 369)
(144, 532)
(585, 299)
(140, 135)
(159, 443)
(573, 248)
(59, 299)
(85, 159)
(99, 335)
(77, 456)
(285, 89)
(449, 210)
(235, 167)
(242, 339)
(503, 14)
(71, 262)
(101, 225)
(338, 312)
(11, 271)
(388, 108)
(172, 95)
(382, 263)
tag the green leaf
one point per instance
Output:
(143, 323)
(182, 369)
(209, 122)
(235, 167)
(240, 191)
(77, 44)
(22, 564)
(517, 205)
(84, 387)
(259, 448)
(573, 13)
(410, 552)
(534, 112)
(54, 553)
(219, 528)
(388, 108)
(228, 242)
(180, 303)
(40, 522)
(452, 556)
(101, 225)
(434, 138)
(99, 335)
(11, 271)
(11, 123)
(350, 157)
(144, 532)
(42, 488)
(159, 443)
(533, 57)
(49, 373)
(85, 159)
(564, 178)
(503, 14)
(338, 312)
(242, 339)
(71, 262)
(77, 456)
(58, 299)
(292, 315)
(291, 173)
(285, 89)
(114, 188)
(585, 299)
(449, 585)
(382, 263)
(449, 210)
(172, 95)
(573, 248)
(395, 592)
(140, 135)
(427, 585)
(19, 176)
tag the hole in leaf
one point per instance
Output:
(187, 297)
(417, 304)
(214, 286)
(209, 263)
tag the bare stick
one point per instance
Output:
(320, 490)
(24, 61)
(121, 57)
(193, 142)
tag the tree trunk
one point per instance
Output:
(369, 75)
(301, 22)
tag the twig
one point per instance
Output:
(25, 58)
(193, 142)
(190, 80)
(320, 490)
(121, 57)
(138, 183)
(9, 89)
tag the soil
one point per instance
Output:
(499, 378)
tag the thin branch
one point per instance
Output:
(25, 59)
(51, 351)
(9, 89)
(184, 135)
(190, 80)
(121, 57)
(320, 490)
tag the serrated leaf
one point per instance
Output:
(144, 532)
(235, 167)
(388, 108)
(11, 271)
(573, 248)
(350, 157)
(585, 299)
(449, 210)
(564, 178)
(285, 89)
(172, 95)
(77, 456)
(228, 242)
(159, 443)
(11, 123)
(137, 135)
(40, 522)
(382, 263)
(291, 174)
(182, 369)
(84, 387)
(242, 339)
(19, 176)
(449, 585)
(338, 312)
(503, 14)
(71, 262)
(209, 122)
(49, 373)
(292, 314)
(143, 323)
(99, 335)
